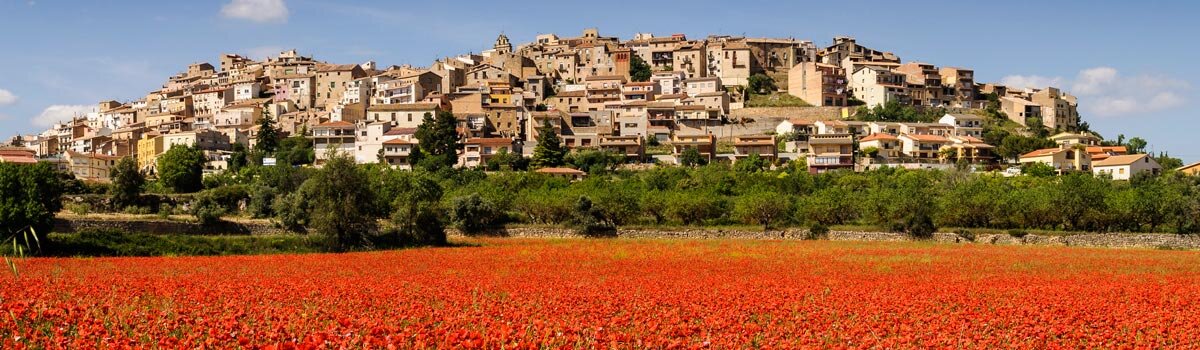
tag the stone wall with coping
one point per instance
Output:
(265, 227)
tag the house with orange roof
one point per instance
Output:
(1100, 153)
(971, 148)
(887, 146)
(762, 145)
(1063, 158)
(1125, 167)
(478, 151)
(704, 143)
(923, 147)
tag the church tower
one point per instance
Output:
(502, 45)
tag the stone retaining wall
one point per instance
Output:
(1108, 240)
(263, 227)
(165, 227)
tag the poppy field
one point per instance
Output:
(533, 294)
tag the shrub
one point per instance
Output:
(79, 208)
(1017, 233)
(472, 213)
(817, 231)
(207, 209)
(919, 225)
(589, 220)
(291, 210)
(261, 199)
(965, 234)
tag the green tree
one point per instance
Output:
(751, 164)
(505, 160)
(761, 84)
(549, 151)
(127, 182)
(267, 139)
(415, 210)
(439, 140)
(1136, 145)
(181, 169)
(763, 208)
(295, 150)
(595, 161)
(340, 201)
(1167, 162)
(638, 69)
(1013, 146)
(32, 194)
(1038, 169)
(691, 157)
(473, 214)
(239, 158)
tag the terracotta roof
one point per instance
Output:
(400, 142)
(491, 141)
(672, 96)
(17, 159)
(1107, 149)
(927, 138)
(337, 124)
(335, 67)
(710, 94)
(1120, 160)
(567, 171)
(1042, 152)
(879, 136)
(401, 131)
(641, 83)
(402, 107)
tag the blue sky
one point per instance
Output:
(1130, 62)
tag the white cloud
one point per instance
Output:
(1104, 92)
(262, 11)
(7, 97)
(1093, 81)
(59, 113)
(1030, 81)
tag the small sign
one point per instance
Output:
(268, 161)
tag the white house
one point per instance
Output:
(964, 124)
(1124, 167)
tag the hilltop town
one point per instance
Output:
(649, 99)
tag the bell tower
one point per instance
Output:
(502, 45)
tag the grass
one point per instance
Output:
(776, 99)
(113, 243)
(116, 243)
(658, 150)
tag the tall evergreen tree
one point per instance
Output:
(439, 139)
(549, 151)
(638, 69)
(267, 140)
(127, 182)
